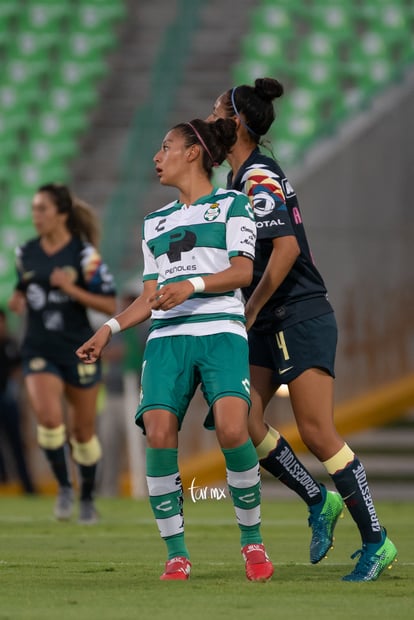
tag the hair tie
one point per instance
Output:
(233, 103)
(204, 145)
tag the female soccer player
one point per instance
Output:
(198, 252)
(292, 339)
(60, 275)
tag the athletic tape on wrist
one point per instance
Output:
(198, 284)
(113, 325)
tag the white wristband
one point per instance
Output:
(113, 325)
(198, 284)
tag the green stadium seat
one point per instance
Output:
(9, 9)
(28, 44)
(277, 19)
(59, 148)
(30, 175)
(24, 72)
(22, 95)
(62, 97)
(319, 45)
(44, 16)
(84, 46)
(265, 45)
(335, 18)
(79, 73)
(320, 74)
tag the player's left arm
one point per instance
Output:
(99, 292)
(239, 274)
(268, 200)
(282, 258)
(102, 303)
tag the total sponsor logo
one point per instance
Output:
(269, 223)
(180, 269)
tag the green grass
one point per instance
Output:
(64, 571)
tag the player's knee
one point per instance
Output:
(87, 453)
(51, 438)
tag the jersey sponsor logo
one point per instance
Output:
(180, 268)
(270, 223)
(287, 188)
(37, 363)
(212, 212)
(173, 244)
(57, 297)
(264, 203)
(249, 241)
(249, 230)
(53, 321)
(36, 296)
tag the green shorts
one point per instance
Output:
(173, 367)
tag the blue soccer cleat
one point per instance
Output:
(323, 524)
(372, 562)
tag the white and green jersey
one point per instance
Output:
(180, 242)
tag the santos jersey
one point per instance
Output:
(302, 294)
(180, 242)
(56, 324)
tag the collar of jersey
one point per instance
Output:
(200, 201)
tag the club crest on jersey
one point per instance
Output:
(212, 212)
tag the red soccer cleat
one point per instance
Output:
(258, 565)
(176, 569)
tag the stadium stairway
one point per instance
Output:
(95, 172)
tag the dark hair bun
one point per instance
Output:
(268, 88)
(225, 131)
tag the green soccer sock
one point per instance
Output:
(166, 498)
(243, 478)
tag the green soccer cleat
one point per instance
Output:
(373, 562)
(323, 525)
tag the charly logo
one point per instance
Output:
(212, 212)
(200, 493)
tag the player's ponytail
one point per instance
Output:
(216, 139)
(82, 221)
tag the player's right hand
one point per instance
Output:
(90, 351)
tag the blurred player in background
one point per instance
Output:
(10, 418)
(60, 276)
(198, 252)
(292, 340)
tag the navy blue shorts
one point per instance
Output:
(289, 352)
(74, 373)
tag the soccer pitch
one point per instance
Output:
(110, 571)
